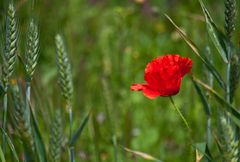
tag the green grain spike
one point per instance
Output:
(231, 144)
(10, 52)
(64, 69)
(32, 49)
(230, 12)
(22, 122)
(56, 138)
(235, 76)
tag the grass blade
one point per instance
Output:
(203, 150)
(218, 38)
(235, 115)
(203, 98)
(142, 155)
(78, 132)
(196, 50)
(2, 157)
(10, 144)
(39, 145)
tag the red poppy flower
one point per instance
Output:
(163, 76)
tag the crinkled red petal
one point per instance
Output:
(163, 76)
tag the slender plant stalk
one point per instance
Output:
(28, 92)
(209, 139)
(28, 98)
(95, 133)
(71, 154)
(69, 108)
(228, 82)
(5, 101)
(71, 149)
(210, 82)
(109, 107)
(179, 113)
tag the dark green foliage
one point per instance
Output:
(114, 40)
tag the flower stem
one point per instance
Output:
(179, 112)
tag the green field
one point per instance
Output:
(108, 45)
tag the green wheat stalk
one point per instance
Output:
(64, 69)
(65, 81)
(56, 138)
(10, 53)
(32, 49)
(31, 58)
(9, 57)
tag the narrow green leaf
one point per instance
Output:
(10, 144)
(78, 132)
(196, 50)
(219, 145)
(235, 115)
(218, 38)
(203, 98)
(142, 155)
(38, 141)
(2, 157)
(203, 148)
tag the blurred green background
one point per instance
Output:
(109, 43)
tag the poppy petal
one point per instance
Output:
(151, 93)
(163, 76)
(138, 87)
(186, 65)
